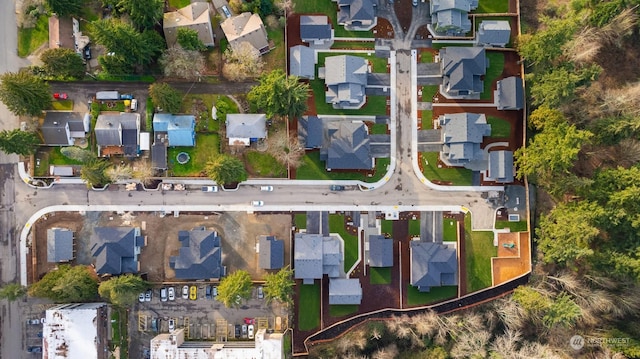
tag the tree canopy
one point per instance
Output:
(67, 284)
(12, 291)
(181, 63)
(145, 14)
(123, 290)
(62, 63)
(165, 97)
(65, 7)
(279, 286)
(242, 62)
(20, 142)
(225, 169)
(280, 95)
(188, 39)
(235, 288)
(94, 172)
(24, 93)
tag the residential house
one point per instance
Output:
(118, 134)
(116, 249)
(175, 130)
(380, 251)
(310, 132)
(451, 17)
(302, 62)
(463, 70)
(357, 15)
(194, 16)
(63, 128)
(500, 167)
(433, 265)
(173, 345)
(246, 27)
(493, 33)
(316, 255)
(200, 255)
(346, 146)
(59, 245)
(271, 252)
(64, 32)
(509, 93)
(316, 31)
(244, 128)
(345, 291)
(76, 331)
(462, 135)
(345, 77)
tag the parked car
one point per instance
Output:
(87, 52)
(207, 293)
(172, 325)
(251, 331)
(141, 297)
(172, 293)
(148, 295)
(335, 187)
(257, 203)
(185, 292)
(154, 324)
(260, 293)
(33, 321)
(60, 96)
(209, 188)
(193, 292)
(226, 11)
(134, 105)
(163, 294)
(215, 292)
(126, 96)
(34, 349)
(39, 334)
(244, 330)
(249, 321)
(237, 331)
(43, 320)
(266, 188)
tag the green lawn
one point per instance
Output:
(450, 230)
(309, 307)
(119, 336)
(313, 168)
(428, 92)
(426, 56)
(274, 59)
(379, 275)
(386, 227)
(520, 226)
(51, 156)
(179, 3)
(358, 45)
(31, 39)
(496, 65)
(437, 294)
(414, 227)
(300, 220)
(456, 176)
(329, 8)
(499, 128)
(200, 106)
(117, 106)
(336, 225)
(287, 345)
(492, 6)
(338, 311)
(62, 105)
(374, 105)
(427, 119)
(207, 144)
(265, 165)
(479, 250)
(379, 129)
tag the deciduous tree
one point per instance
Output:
(188, 39)
(279, 286)
(12, 291)
(67, 284)
(77, 153)
(280, 95)
(62, 63)
(235, 288)
(225, 169)
(186, 64)
(24, 93)
(20, 142)
(242, 62)
(123, 290)
(165, 97)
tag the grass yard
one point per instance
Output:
(455, 176)
(62, 105)
(492, 6)
(379, 275)
(274, 59)
(479, 250)
(379, 129)
(386, 226)
(336, 225)
(499, 128)
(287, 345)
(200, 106)
(314, 169)
(414, 227)
(51, 156)
(309, 307)
(450, 230)
(520, 226)
(119, 335)
(265, 165)
(427, 120)
(426, 56)
(496, 66)
(329, 8)
(30, 39)
(116, 106)
(207, 145)
(374, 105)
(356, 45)
(338, 311)
(437, 294)
(300, 220)
(428, 92)
(179, 3)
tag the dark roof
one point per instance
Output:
(493, 32)
(159, 156)
(110, 130)
(318, 223)
(54, 128)
(510, 93)
(380, 251)
(200, 256)
(130, 141)
(310, 131)
(315, 32)
(115, 249)
(432, 265)
(462, 69)
(59, 245)
(347, 146)
(501, 166)
(271, 252)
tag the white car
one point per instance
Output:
(251, 331)
(141, 298)
(185, 292)
(257, 203)
(163, 294)
(172, 325)
(266, 188)
(134, 105)
(209, 188)
(172, 293)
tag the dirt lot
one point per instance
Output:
(239, 232)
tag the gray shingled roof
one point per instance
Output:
(462, 134)
(115, 249)
(310, 131)
(462, 68)
(314, 27)
(318, 222)
(493, 33)
(58, 126)
(432, 265)
(501, 166)
(355, 11)
(119, 130)
(345, 291)
(380, 251)
(346, 146)
(200, 256)
(302, 62)
(59, 245)
(346, 80)
(509, 93)
(271, 252)
(452, 16)
(243, 125)
(316, 255)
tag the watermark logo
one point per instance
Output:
(578, 342)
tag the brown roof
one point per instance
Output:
(61, 33)
(194, 16)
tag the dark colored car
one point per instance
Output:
(335, 187)
(126, 96)
(36, 349)
(87, 52)
(207, 292)
(237, 331)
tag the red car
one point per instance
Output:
(60, 96)
(249, 321)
